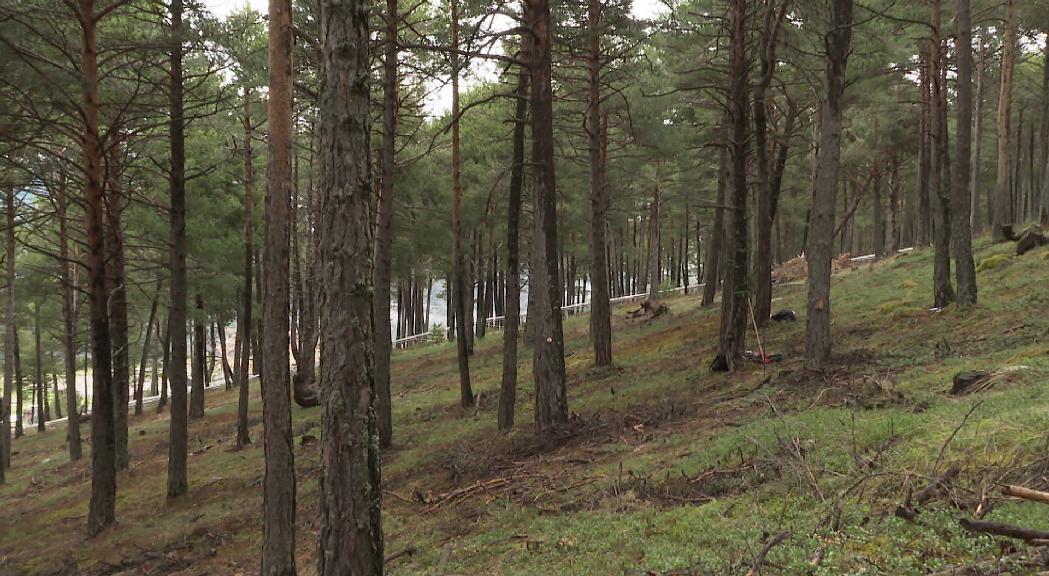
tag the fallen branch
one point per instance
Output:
(999, 529)
(406, 552)
(759, 560)
(1025, 493)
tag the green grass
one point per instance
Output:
(774, 448)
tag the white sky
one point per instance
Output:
(441, 101)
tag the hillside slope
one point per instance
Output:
(668, 469)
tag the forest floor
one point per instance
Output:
(668, 468)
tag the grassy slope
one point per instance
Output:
(669, 469)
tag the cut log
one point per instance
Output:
(969, 381)
(1025, 493)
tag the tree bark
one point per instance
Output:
(877, 215)
(825, 186)
(975, 220)
(961, 198)
(196, 396)
(68, 323)
(102, 510)
(548, 365)
(654, 239)
(735, 293)
(763, 210)
(923, 218)
(459, 288)
(278, 534)
(40, 385)
(178, 441)
(943, 292)
(117, 295)
(384, 231)
(139, 389)
(512, 312)
(1043, 165)
(246, 321)
(10, 332)
(350, 486)
(1002, 213)
(596, 131)
(715, 244)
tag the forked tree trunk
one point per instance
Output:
(511, 328)
(961, 197)
(147, 338)
(825, 186)
(350, 485)
(551, 401)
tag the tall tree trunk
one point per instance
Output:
(893, 234)
(596, 131)
(58, 401)
(975, 221)
(178, 436)
(654, 239)
(825, 186)
(763, 209)
(19, 387)
(102, 510)
(512, 313)
(459, 288)
(40, 385)
(1043, 165)
(1002, 214)
(715, 240)
(923, 218)
(961, 197)
(139, 389)
(943, 292)
(11, 332)
(878, 215)
(165, 343)
(244, 324)
(548, 365)
(278, 508)
(117, 295)
(350, 486)
(197, 384)
(68, 323)
(735, 294)
(384, 231)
